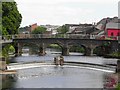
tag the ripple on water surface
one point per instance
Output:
(60, 77)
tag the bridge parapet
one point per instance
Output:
(73, 36)
(5, 41)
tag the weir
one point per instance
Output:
(85, 66)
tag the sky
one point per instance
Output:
(59, 12)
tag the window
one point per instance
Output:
(112, 34)
(118, 34)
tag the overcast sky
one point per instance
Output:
(59, 12)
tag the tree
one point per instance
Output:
(9, 24)
(39, 30)
(11, 18)
(0, 18)
(63, 29)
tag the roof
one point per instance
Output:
(113, 25)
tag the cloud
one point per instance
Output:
(64, 1)
(63, 11)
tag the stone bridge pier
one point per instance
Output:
(42, 49)
(65, 51)
(18, 49)
(19, 46)
(89, 49)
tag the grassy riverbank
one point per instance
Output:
(118, 86)
(113, 55)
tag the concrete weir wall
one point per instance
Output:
(18, 66)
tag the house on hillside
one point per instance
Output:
(28, 29)
(108, 27)
(51, 28)
(112, 29)
(24, 30)
(80, 28)
(101, 25)
(33, 27)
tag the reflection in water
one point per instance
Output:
(60, 77)
(8, 81)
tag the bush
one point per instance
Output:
(118, 86)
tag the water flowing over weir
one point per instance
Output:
(18, 66)
(51, 76)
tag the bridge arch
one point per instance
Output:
(20, 46)
(56, 46)
(33, 48)
(78, 48)
(87, 49)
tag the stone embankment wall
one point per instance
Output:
(3, 64)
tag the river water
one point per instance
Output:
(57, 76)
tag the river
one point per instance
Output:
(57, 76)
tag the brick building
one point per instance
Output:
(33, 27)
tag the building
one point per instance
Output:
(51, 28)
(24, 30)
(108, 27)
(101, 25)
(80, 28)
(28, 29)
(71, 27)
(113, 29)
(33, 27)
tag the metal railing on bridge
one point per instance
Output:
(73, 36)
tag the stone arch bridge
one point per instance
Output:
(64, 43)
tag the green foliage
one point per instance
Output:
(4, 31)
(103, 50)
(77, 49)
(9, 24)
(39, 30)
(118, 87)
(115, 54)
(0, 29)
(6, 50)
(0, 18)
(11, 18)
(56, 46)
(11, 49)
(63, 29)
